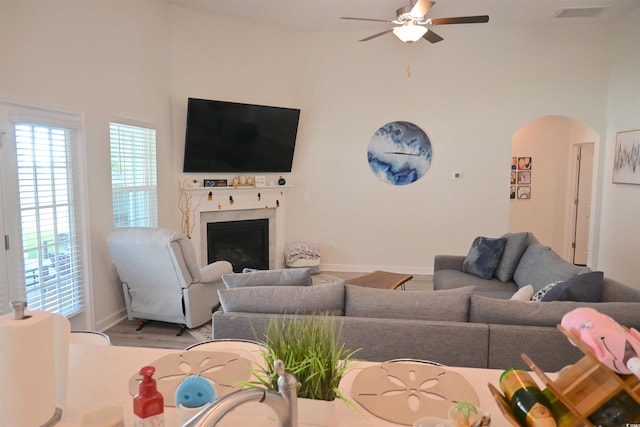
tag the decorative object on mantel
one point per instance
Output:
(282, 181)
(231, 201)
(187, 207)
(433, 388)
(243, 181)
(399, 153)
(626, 163)
(259, 197)
(210, 196)
(260, 181)
(215, 183)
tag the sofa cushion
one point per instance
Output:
(484, 256)
(540, 266)
(280, 277)
(453, 279)
(583, 287)
(450, 305)
(514, 248)
(284, 299)
(507, 312)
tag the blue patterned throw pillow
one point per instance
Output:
(542, 292)
(484, 256)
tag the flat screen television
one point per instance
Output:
(233, 137)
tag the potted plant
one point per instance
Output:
(310, 348)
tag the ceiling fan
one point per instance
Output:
(412, 22)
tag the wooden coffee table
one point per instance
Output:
(381, 280)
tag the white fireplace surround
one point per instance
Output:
(248, 204)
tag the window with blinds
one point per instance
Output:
(53, 262)
(133, 176)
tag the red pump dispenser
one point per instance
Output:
(148, 404)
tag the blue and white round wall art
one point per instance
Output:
(399, 153)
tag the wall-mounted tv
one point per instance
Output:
(233, 137)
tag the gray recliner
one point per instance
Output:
(161, 277)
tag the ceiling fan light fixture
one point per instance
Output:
(410, 33)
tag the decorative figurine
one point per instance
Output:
(613, 345)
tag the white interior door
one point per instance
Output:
(11, 275)
(583, 204)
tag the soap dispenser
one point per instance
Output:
(148, 404)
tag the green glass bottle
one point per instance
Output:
(528, 404)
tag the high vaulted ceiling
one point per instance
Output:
(324, 15)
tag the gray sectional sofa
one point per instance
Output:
(523, 261)
(455, 327)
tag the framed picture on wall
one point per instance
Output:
(626, 163)
(524, 192)
(524, 163)
(524, 177)
(512, 191)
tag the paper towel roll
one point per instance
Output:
(33, 367)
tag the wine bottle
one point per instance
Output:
(528, 404)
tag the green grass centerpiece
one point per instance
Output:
(310, 348)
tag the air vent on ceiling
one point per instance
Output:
(581, 12)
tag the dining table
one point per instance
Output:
(99, 378)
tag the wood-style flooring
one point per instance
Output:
(163, 335)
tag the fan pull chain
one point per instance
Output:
(410, 57)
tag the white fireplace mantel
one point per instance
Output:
(218, 204)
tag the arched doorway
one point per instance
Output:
(558, 209)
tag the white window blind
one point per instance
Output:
(133, 176)
(49, 218)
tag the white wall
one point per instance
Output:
(108, 59)
(469, 97)
(619, 239)
(551, 142)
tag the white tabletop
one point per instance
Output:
(99, 376)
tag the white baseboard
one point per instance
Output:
(110, 321)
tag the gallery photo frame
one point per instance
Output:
(520, 178)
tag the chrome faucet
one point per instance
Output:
(284, 402)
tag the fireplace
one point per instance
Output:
(242, 204)
(245, 244)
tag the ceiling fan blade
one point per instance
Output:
(367, 19)
(432, 37)
(376, 35)
(479, 19)
(421, 8)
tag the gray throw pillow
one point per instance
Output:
(483, 256)
(583, 288)
(284, 299)
(516, 245)
(281, 277)
(540, 266)
(447, 305)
